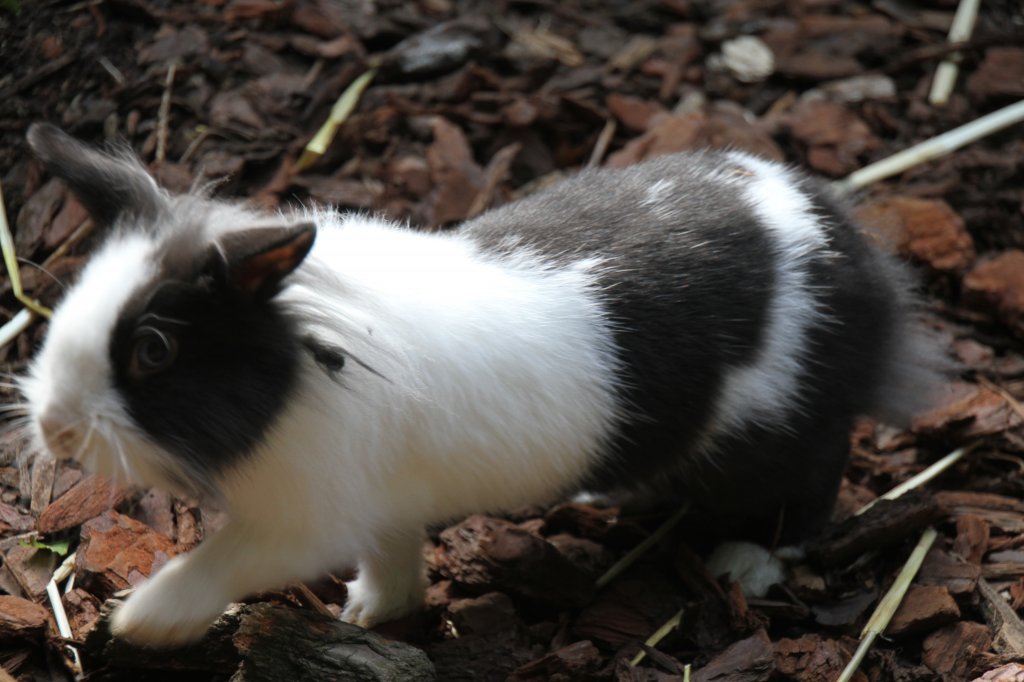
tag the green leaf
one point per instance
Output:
(58, 547)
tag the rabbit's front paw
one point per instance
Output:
(166, 611)
(370, 604)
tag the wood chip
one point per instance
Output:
(923, 609)
(88, 498)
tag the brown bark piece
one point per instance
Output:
(951, 651)
(118, 552)
(156, 512)
(635, 113)
(88, 498)
(835, 137)
(487, 614)
(998, 284)
(887, 522)
(31, 568)
(12, 519)
(582, 520)
(928, 230)
(21, 617)
(456, 176)
(628, 610)
(942, 568)
(972, 535)
(924, 608)
(844, 613)
(44, 471)
(1011, 672)
(748, 660)
(83, 611)
(998, 511)
(1000, 74)
(812, 659)
(1004, 621)
(971, 412)
(267, 643)
(668, 135)
(568, 663)
(488, 552)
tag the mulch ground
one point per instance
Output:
(475, 104)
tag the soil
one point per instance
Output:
(477, 103)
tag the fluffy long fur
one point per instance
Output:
(646, 327)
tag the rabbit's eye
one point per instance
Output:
(154, 351)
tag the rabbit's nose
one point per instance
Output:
(60, 432)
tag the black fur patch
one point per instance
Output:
(689, 278)
(686, 282)
(237, 361)
(109, 187)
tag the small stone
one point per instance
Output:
(748, 59)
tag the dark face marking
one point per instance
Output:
(205, 366)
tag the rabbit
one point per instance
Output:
(704, 325)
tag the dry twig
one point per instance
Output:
(937, 146)
(959, 31)
(923, 477)
(890, 602)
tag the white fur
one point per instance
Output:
(751, 565)
(766, 390)
(474, 384)
(69, 384)
(465, 351)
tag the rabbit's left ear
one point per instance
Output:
(110, 187)
(256, 260)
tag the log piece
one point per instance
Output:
(885, 523)
(266, 642)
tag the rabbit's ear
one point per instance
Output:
(256, 260)
(109, 187)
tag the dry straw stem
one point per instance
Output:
(341, 110)
(935, 147)
(11, 260)
(890, 602)
(603, 140)
(164, 112)
(625, 562)
(60, 616)
(20, 322)
(960, 31)
(923, 477)
(659, 634)
(313, 601)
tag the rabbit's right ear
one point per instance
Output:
(109, 187)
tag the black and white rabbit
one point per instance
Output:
(705, 324)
